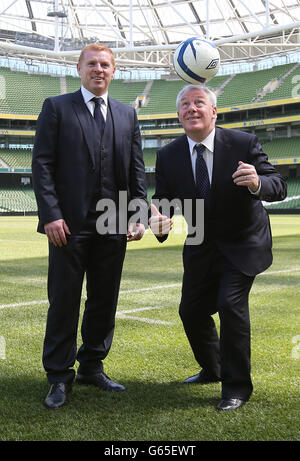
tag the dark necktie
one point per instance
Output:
(98, 114)
(202, 178)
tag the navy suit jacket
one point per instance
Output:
(236, 221)
(65, 148)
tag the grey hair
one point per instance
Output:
(212, 96)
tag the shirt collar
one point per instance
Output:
(207, 142)
(87, 95)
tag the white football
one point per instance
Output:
(196, 60)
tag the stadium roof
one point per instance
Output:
(144, 33)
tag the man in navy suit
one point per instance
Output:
(229, 171)
(87, 149)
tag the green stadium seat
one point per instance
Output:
(282, 148)
(293, 199)
(16, 158)
(285, 89)
(24, 93)
(17, 199)
(149, 157)
(244, 88)
(124, 90)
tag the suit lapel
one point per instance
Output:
(86, 121)
(117, 122)
(117, 118)
(222, 149)
(184, 167)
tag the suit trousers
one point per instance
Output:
(99, 258)
(212, 284)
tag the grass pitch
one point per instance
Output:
(150, 353)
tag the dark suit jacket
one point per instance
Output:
(236, 221)
(65, 148)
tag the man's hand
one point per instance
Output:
(159, 224)
(246, 175)
(138, 229)
(56, 232)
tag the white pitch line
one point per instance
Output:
(142, 319)
(122, 314)
(157, 287)
(139, 309)
(29, 303)
(140, 290)
(296, 269)
(137, 290)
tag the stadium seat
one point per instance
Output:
(17, 199)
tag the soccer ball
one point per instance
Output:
(196, 60)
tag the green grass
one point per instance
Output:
(150, 359)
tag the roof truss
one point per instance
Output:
(144, 33)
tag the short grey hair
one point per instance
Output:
(212, 96)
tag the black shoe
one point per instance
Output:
(57, 395)
(202, 378)
(230, 404)
(99, 380)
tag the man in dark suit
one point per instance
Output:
(87, 149)
(229, 171)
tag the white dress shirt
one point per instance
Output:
(208, 153)
(87, 96)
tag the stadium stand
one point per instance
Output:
(16, 158)
(149, 157)
(285, 87)
(283, 147)
(125, 91)
(22, 96)
(247, 87)
(13, 199)
(161, 97)
(23, 93)
(293, 199)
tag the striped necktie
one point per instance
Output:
(98, 116)
(202, 178)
